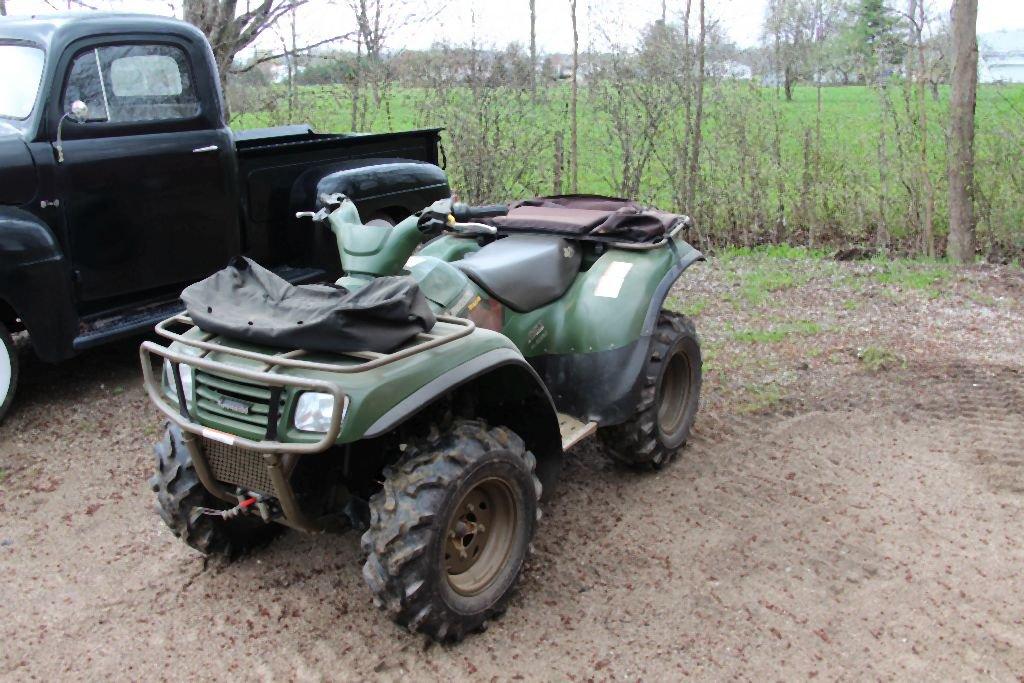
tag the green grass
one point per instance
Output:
(742, 127)
(773, 251)
(760, 397)
(778, 333)
(927, 276)
(688, 307)
(877, 359)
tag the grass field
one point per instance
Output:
(771, 170)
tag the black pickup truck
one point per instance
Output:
(120, 181)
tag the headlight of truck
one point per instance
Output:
(186, 379)
(313, 412)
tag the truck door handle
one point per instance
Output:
(208, 148)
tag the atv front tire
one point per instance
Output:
(451, 529)
(669, 396)
(179, 492)
(8, 370)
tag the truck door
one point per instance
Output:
(148, 180)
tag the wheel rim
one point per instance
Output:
(675, 393)
(6, 371)
(480, 536)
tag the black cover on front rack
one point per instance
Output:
(248, 302)
(588, 217)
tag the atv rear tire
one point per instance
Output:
(179, 491)
(451, 529)
(8, 370)
(669, 398)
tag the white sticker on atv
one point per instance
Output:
(611, 280)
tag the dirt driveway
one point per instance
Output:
(850, 506)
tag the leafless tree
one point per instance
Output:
(917, 21)
(698, 117)
(533, 46)
(961, 130)
(789, 27)
(574, 149)
(229, 30)
(376, 22)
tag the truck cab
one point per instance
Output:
(121, 182)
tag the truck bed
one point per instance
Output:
(272, 163)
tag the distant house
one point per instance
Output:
(733, 70)
(1001, 57)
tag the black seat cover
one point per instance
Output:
(524, 272)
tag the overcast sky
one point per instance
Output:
(497, 22)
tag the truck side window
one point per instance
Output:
(132, 84)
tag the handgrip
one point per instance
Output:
(464, 213)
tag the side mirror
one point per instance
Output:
(79, 111)
(79, 114)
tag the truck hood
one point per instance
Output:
(17, 170)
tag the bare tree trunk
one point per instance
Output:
(928, 198)
(559, 164)
(533, 46)
(961, 130)
(698, 117)
(574, 151)
(788, 79)
(292, 73)
(356, 81)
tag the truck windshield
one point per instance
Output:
(21, 67)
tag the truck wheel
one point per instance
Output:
(451, 529)
(178, 491)
(668, 398)
(8, 370)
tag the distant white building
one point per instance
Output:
(736, 71)
(1001, 57)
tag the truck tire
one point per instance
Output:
(8, 370)
(178, 491)
(451, 529)
(669, 397)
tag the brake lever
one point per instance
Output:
(316, 216)
(473, 228)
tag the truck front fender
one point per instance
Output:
(503, 390)
(35, 283)
(395, 187)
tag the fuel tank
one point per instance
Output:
(450, 292)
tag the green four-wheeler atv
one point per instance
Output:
(508, 338)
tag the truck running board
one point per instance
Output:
(573, 431)
(110, 325)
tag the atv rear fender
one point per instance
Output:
(591, 345)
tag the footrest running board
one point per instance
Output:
(573, 431)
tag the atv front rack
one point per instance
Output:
(279, 457)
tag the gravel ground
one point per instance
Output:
(849, 507)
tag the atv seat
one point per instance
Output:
(524, 272)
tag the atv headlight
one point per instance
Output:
(186, 379)
(313, 412)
